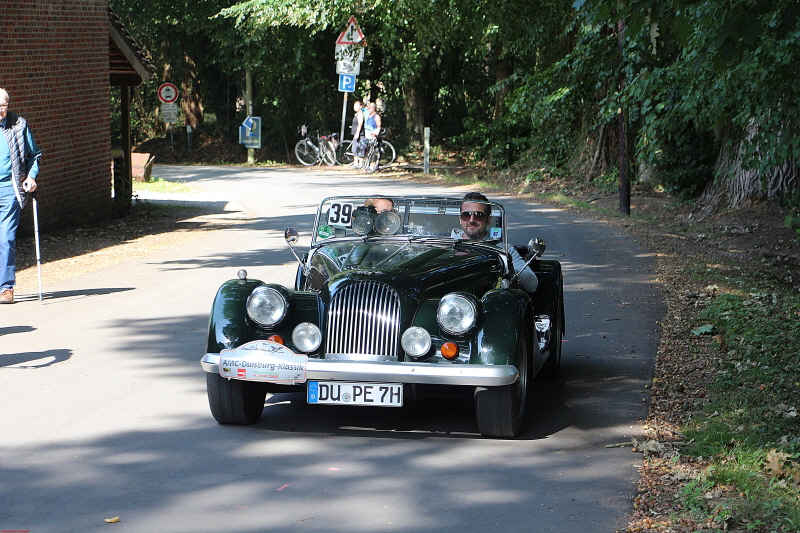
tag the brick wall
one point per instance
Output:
(55, 67)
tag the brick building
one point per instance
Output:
(58, 62)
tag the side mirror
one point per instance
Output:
(292, 236)
(536, 247)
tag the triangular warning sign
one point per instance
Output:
(352, 34)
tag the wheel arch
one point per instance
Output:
(507, 314)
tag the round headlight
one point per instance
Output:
(306, 337)
(456, 314)
(416, 341)
(362, 222)
(388, 222)
(266, 306)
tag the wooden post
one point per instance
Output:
(426, 166)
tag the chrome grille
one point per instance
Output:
(364, 323)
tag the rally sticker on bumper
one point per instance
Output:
(263, 361)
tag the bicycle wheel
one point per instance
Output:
(306, 152)
(373, 158)
(388, 154)
(344, 154)
(328, 153)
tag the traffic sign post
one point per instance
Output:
(169, 112)
(167, 93)
(250, 132)
(347, 83)
(349, 54)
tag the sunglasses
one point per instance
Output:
(466, 215)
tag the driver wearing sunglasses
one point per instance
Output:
(475, 213)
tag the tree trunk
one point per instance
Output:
(503, 70)
(624, 167)
(414, 100)
(736, 186)
(192, 102)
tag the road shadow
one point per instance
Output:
(79, 293)
(30, 360)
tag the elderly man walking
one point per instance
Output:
(19, 166)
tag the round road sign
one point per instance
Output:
(167, 93)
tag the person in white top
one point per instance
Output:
(475, 213)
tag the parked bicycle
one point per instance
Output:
(374, 151)
(310, 153)
(345, 154)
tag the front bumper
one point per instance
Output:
(426, 373)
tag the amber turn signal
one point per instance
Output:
(276, 338)
(449, 350)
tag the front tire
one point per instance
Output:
(328, 153)
(552, 365)
(233, 401)
(501, 411)
(373, 158)
(306, 152)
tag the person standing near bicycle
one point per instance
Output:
(372, 124)
(359, 147)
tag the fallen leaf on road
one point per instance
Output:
(112, 520)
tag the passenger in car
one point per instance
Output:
(380, 204)
(475, 213)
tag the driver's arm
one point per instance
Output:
(527, 278)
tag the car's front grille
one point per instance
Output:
(364, 323)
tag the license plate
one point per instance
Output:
(347, 393)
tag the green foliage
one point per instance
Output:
(683, 158)
(792, 220)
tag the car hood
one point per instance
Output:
(417, 270)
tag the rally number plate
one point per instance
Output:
(347, 393)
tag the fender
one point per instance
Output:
(229, 325)
(504, 320)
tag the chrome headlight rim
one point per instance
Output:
(307, 337)
(278, 297)
(412, 346)
(464, 303)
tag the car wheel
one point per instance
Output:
(501, 411)
(233, 401)
(552, 365)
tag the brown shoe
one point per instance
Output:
(7, 296)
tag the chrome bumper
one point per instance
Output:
(427, 373)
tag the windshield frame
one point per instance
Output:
(406, 206)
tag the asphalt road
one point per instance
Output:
(103, 409)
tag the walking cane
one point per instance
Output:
(36, 235)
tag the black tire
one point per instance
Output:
(501, 411)
(388, 154)
(233, 401)
(343, 154)
(373, 159)
(328, 153)
(306, 152)
(552, 365)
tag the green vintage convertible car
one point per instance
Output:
(395, 296)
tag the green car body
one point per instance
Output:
(364, 292)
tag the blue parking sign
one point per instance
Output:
(250, 132)
(347, 83)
